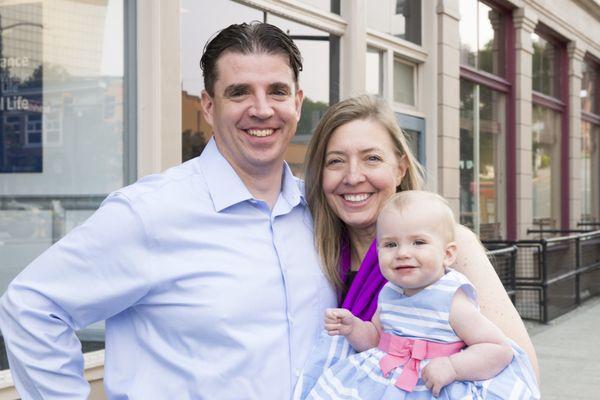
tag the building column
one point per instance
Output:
(448, 105)
(576, 54)
(354, 49)
(158, 85)
(525, 21)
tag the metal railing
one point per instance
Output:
(554, 275)
(504, 261)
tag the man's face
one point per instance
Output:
(254, 110)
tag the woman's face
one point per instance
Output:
(361, 171)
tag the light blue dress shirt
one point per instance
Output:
(207, 292)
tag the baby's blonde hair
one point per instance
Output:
(407, 200)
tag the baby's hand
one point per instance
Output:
(437, 374)
(339, 321)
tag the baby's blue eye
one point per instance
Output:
(419, 242)
(389, 245)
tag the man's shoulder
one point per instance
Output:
(174, 184)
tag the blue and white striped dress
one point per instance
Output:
(335, 371)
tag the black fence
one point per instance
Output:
(553, 275)
(504, 261)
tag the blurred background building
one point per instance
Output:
(500, 100)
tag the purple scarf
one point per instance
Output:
(362, 296)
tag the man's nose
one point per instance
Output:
(261, 108)
(354, 174)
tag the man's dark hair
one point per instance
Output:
(253, 38)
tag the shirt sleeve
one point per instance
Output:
(98, 270)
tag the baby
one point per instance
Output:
(427, 337)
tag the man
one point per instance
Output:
(206, 274)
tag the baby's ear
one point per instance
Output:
(450, 254)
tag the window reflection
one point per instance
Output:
(468, 32)
(590, 171)
(66, 58)
(482, 37)
(545, 64)
(482, 130)
(590, 82)
(546, 166)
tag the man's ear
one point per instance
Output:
(299, 99)
(450, 254)
(208, 106)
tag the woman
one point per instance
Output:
(357, 158)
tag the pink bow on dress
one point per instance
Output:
(409, 353)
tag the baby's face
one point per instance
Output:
(412, 251)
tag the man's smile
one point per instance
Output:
(260, 132)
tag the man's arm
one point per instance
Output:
(495, 304)
(90, 275)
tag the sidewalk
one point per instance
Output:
(568, 351)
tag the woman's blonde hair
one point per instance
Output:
(329, 229)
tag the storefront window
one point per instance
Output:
(545, 149)
(590, 140)
(546, 67)
(318, 80)
(482, 37)
(64, 141)
(482, 132)
(590, 171)
(401, 18)
(590, 83)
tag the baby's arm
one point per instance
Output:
(487, 354)
(362, 335)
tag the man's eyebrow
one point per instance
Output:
(235, 89)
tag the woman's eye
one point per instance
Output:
(333, 161)
(373, 158)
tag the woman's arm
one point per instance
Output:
(487, 352)
(495, 304)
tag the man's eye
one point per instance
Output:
(238, 93)
(280, 92)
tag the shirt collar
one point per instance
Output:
(226, 188)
